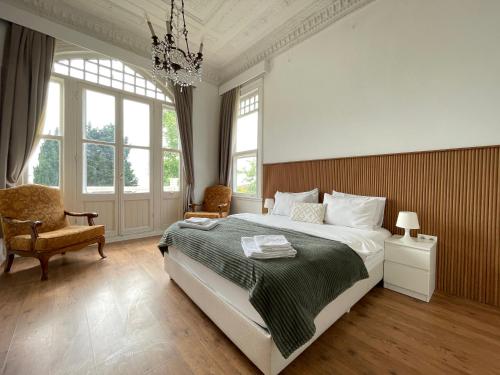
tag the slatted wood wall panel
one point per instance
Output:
(456, 194)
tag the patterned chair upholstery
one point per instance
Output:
(35, 224)
(216, 203)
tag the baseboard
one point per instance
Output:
(134, 236)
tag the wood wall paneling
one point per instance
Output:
(456, 194)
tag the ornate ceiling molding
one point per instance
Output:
(301, 27)
(291, 35)
(64, 14)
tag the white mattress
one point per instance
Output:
(370, 243)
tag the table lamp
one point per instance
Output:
(407, 220)
(269, 204)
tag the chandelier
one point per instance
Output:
(170, 62)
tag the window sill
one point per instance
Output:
(247, 198)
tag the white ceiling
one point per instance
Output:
(236, 33)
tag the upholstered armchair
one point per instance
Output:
(216, 203)
(35, 224)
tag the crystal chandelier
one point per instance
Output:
(170, 61)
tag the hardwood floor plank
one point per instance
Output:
(122, 315)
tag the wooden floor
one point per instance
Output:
(122, 315)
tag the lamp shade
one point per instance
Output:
(407, 220)
(269, 203)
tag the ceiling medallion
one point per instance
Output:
(170, 61)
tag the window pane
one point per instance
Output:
(104, 81)
(52, 123)
(170, 131)
(128, 70)
(171, 171)
(129, 88)
(90, 67)
(117, 85)
(99, 168)
(117, 75)
(44, 163)
(135, 123)
(77, 63)
(246, 175)
(246, 132)
(99, 116)
(105, 63)
(61, 69)
(136, 170)
(91, 77)
(76, 73)
(118, 65)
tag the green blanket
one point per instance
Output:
(288, 293)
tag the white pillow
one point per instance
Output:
(351, 212)
(308, 212)
(283, 202)
(380, 201)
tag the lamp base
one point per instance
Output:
(407, 238)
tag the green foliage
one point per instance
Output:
(100, 160)
(249, 182)
(47, 170)
(169, 130)
(171, 162)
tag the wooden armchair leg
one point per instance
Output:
(44, 264)
(100, 247)
(8, 262)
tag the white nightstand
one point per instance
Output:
(410, 268)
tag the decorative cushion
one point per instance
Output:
(283, 202)
(209, 215)
(32, 202)
(60, 238)
(308, 212)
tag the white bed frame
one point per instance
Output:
(249, 337)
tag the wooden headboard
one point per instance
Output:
(456, 194)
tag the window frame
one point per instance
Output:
(149, 148)
(248, 90)
(84, 141)
(163, 149)
(59, 138)
(136, 75)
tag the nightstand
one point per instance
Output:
(410, 268)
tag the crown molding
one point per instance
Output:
(284, 37)
(291, 35)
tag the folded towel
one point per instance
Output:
(272, 242)
(198, 220)
(207, 226)
(252, 250)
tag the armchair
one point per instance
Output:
(35, 224)
(216, 203)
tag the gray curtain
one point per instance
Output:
(26, 69)
(227, 114)
(184, 108)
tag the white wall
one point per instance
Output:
(206, 103)
(398, 75)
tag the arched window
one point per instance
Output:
(110, 73)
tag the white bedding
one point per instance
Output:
(365, 243)
(369, 244)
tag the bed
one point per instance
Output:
(227, 304)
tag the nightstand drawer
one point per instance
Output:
(406, 277)
(406, 255)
